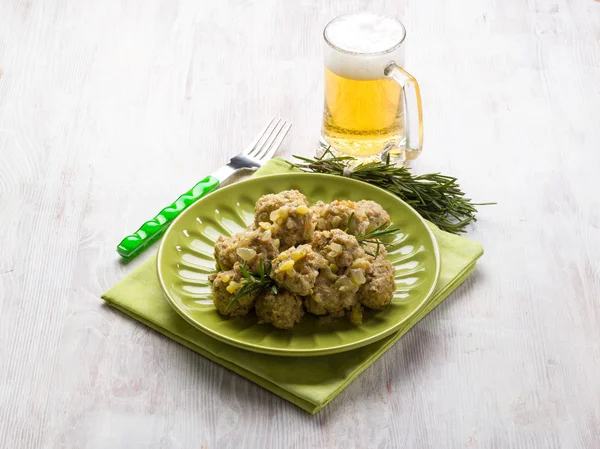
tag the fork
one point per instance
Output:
(262, 148)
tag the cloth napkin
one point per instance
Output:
(308, 382)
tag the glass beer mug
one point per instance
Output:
(372, 105)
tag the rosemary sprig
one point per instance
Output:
(381, 231)
(254, 283)
(347, 229)
(438, 198)
(375, 236)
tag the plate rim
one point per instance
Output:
(296, 352)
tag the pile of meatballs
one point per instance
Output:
(317, 263)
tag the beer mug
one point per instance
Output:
(372, 105)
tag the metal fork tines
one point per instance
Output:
(263, 147)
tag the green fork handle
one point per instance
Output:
(131, 245)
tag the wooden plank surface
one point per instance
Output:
(99, 100)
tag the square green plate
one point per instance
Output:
(185, 259)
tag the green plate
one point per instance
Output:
(185, 259)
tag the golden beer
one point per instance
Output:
(362, 116)
(368, 95)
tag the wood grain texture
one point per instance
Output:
(99, 99)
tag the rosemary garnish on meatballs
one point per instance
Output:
(254, 283)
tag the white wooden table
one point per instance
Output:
(98, 99)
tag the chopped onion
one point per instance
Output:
(356, 315)
(285, 266)
(298, 254)
(279, 215)
(233, 287)
(246, 254)
(329, 274)
(357, 276)
(361, 263)
(336, 248)
(302, 210)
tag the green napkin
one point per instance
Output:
(308, 382)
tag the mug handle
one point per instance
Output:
(413, 112)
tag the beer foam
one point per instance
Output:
(361, 45)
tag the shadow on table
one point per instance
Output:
(315, 378)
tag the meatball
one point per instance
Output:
(332, 295)
(225, 254)
(283, 310)
(345, 215)
(273, 201)
(378, 291)
(224, 286)
(255, 245)
(286, 215)
(297, 268)
(337, 247)
(375, 215)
